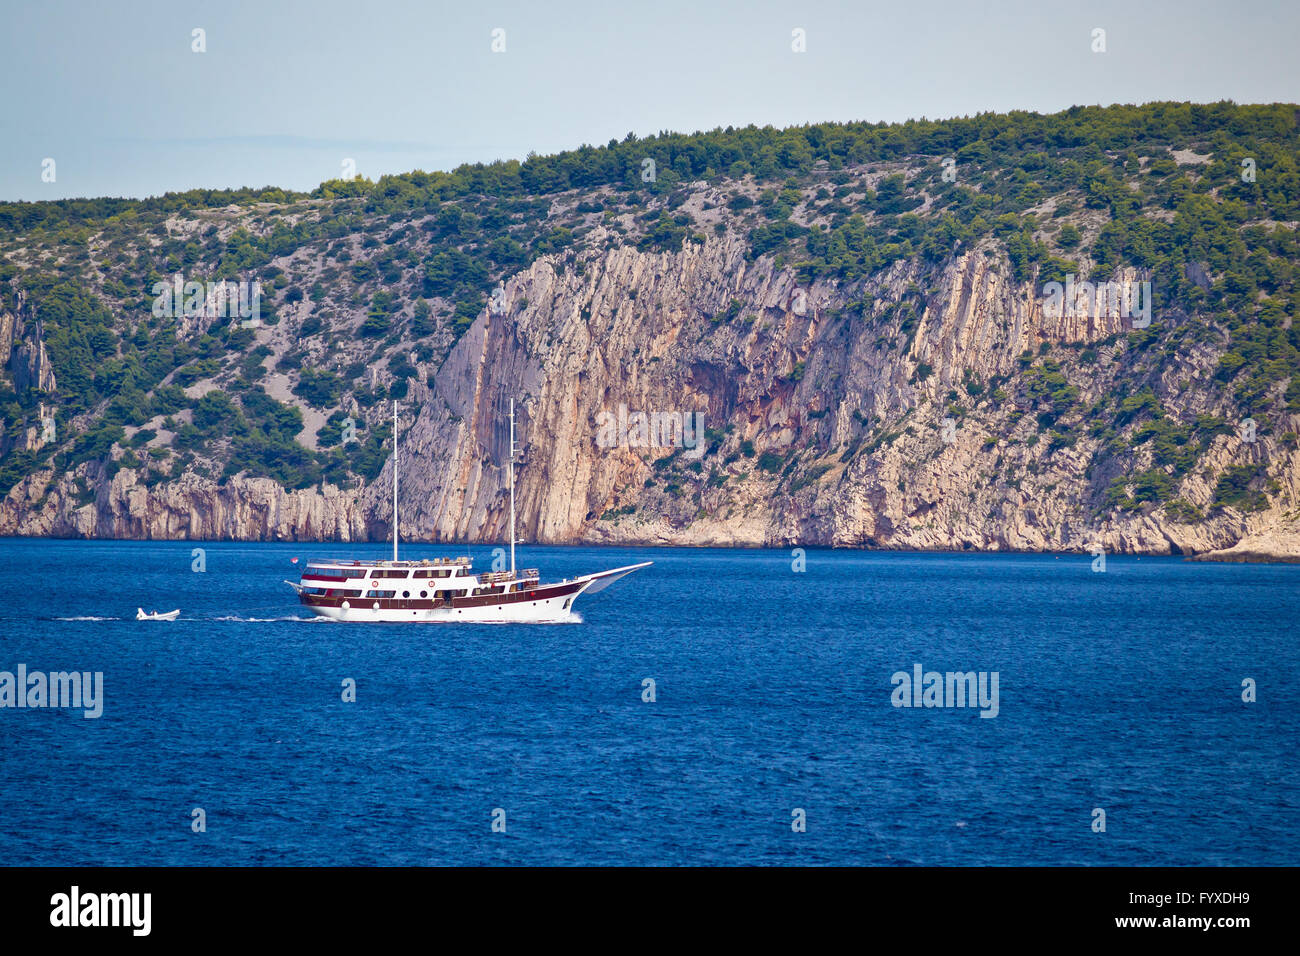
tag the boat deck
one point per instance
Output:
(390, 563)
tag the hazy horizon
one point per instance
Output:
(284, 96)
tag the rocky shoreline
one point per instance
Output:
(1274, 547)
(1265, 548)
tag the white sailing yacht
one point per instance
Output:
(443, 590)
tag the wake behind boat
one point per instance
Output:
(443, 590)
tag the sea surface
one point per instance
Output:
(1119, 691)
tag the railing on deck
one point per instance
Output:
(504, 577)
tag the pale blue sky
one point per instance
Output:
(287, 90)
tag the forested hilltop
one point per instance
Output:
(860, 313)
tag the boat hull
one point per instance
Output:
(140, 615)
(545, 605)
(530, 604)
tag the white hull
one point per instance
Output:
(140, 615)
(551, 611)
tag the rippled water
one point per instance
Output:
(1119, 691)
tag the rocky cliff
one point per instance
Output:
(650, 345)
(674, 382)
(637, 330)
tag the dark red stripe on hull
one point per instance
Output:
(426, 604)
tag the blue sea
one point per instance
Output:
(773, 693)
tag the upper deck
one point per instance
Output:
(336, 563)
(456, 568)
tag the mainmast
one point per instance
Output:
(512, 488)
(394, 479)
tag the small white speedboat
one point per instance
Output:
(140, 615)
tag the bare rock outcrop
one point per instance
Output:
(891, 412)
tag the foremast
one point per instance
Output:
(512, 489)
(394, 480)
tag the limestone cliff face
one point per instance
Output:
(580, 338)
(22, 350)
(192, 508)
(23, 356)
(837, 414)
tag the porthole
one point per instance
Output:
(406, 594)
(424, 594)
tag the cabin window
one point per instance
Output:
(330, 592)
(316, 569)
(380, 594)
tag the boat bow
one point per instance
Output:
(603, 579)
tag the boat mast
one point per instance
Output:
(512, 488)
(394, 479)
